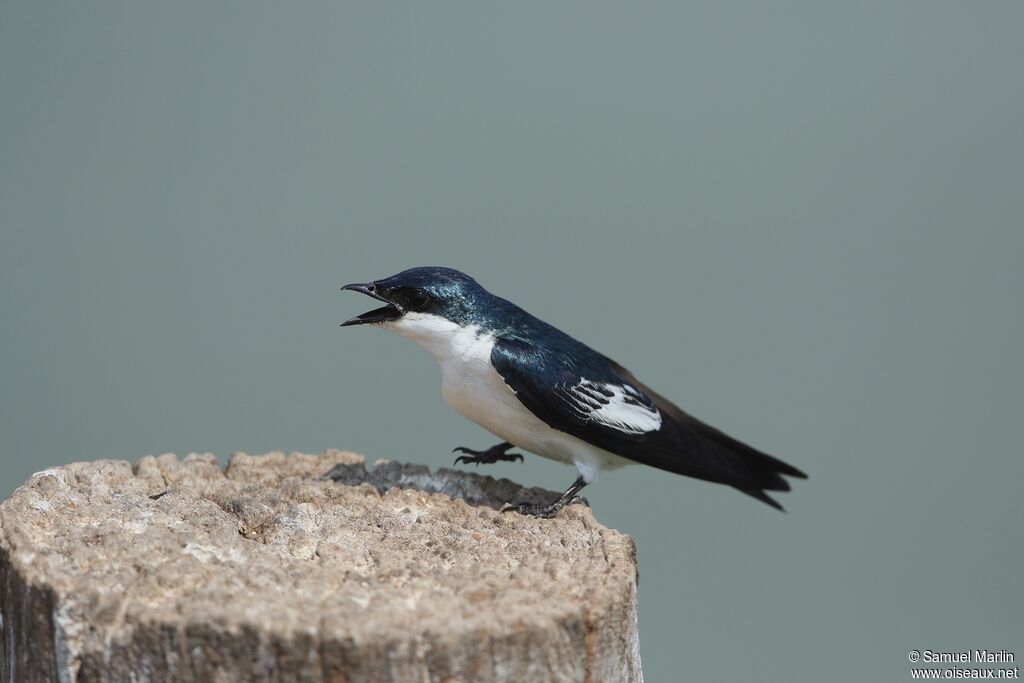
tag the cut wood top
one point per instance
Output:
(270, 546)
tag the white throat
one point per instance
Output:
(446, 341)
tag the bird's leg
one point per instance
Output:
(488, 457)
(551, 509)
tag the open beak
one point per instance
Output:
(390, 311)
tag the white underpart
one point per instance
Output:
(473, 387)
(617, 406)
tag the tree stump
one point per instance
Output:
(268, 570)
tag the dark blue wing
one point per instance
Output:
(600, 402)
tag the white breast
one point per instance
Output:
(472, 386)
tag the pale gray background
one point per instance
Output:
(801, 221)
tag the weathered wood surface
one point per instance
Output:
(267, 571)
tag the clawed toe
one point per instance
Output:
(488, 457)
(543, 511)
(570, 497)
(532, 509)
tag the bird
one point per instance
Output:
(542, 391)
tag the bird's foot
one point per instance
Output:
(543, 511)
(490, 456)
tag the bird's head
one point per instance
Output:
(428, 296)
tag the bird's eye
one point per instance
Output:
(418, 299)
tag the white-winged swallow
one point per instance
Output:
(544, 392)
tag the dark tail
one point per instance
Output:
(763, 497)
(746, 469)
(768, 473)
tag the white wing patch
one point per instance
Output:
(619, 406)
